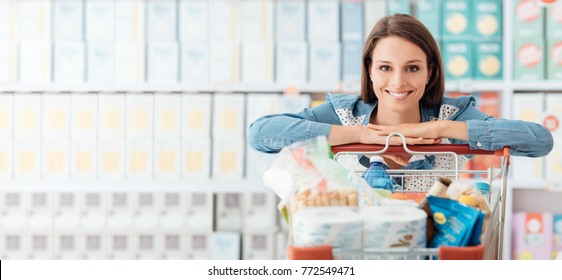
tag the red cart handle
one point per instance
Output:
(461, 149)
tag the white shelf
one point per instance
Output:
(537, 86)
(212, 185)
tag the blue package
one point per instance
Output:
(456, 224)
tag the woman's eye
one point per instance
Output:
(412, 68)
(384, 68)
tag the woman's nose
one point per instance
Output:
(398, 79)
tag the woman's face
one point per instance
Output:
(399, 74)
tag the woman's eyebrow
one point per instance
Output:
(409, 61)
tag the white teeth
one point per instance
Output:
(398, 94)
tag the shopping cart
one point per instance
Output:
(491, 247)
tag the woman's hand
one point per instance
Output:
(376, 134)
(426, 130)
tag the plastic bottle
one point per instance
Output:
(377, 177)
(484, 188)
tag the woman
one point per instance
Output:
(402, 89)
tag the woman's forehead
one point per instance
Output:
(395, 49)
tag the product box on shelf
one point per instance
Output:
(120, 226)
(225, 62)
(352, 52)
(557, 238)
(399, 7)
(172, 211)
(39, 212)
(257, 62)
(228, 158)
(100, 20)
(69, 62)
(429, 13)
(161, 21)
(324, 63)
(528, 20)
(84, 114)
(6, 158)
(290, 20)
(228, 115)
(199, 213)
(146, 207)
(256, 20)
(27, 114)
(199, 245)
(100, 66)
(352, 21)
(35, 20)
(13, 224)
(9, 62)
(259, 211)
(258, 245)
(323, 21)
(139, 112)
(39, 245)
(167, 114)
(281, 243)
(456, 19)
(55, 114)
(163, 62)
(554, 22)
(195, 158)
(93, 212)
(66, 245)
(374, 10)
(554, 58)
(55, 158)
(111, 158)
(551, 119)
(195, 59)
(167, 156)
(68, 20)
(223, 21)
(291, 64)
(146, 244)
(111, 114)
(27, 158)
(35, 62)
(488, 21)
(196, 115)
(257, 163)
(529, 60)
(9, 31)
(228, 214)
(532, 236)
(193, 21)
(130, 62)
(457, 59)
(120, 245)
(225, 245)
(94, 245)
(172, 245)
(488, 62)
(130, 20)
(83, 158)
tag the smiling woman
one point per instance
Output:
(402, 90)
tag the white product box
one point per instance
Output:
(139, 108)
(352, 21)
(111, 114)
(199, 245)
(84, 114)
(228, 158)
(146, 211)
(6, 114)
(291, 63)
(120, 211)
(101, 63)
(93, 211)
(139, 158)
(260, 104)
(228, 215)
(527, 107)
(129, 62)
(40, 212)
(257, 163)
(55, 115)
(195, 58)
(167, 111)
(84, 157)
(66, 245)
(352, 52)
(194, 20)
(325, 64)
(195, 158)
(223, 20)
(35, 62)
(167, 158)
(8, 62)
(199, 212)
(374, 11)
(69, 63)
(282, 241)
(6, 158)
(323, 21)
(172, 211)
(111, 158)
(161, 20)
(163, 60)
(27, 114)
(256, 20)
(129, 20)
(66, 212)
(226, 246)
(553, 165)
(55, 158)
(554, 106)
(290, 20)
(554, 159)
(40, 245)
(228, 114)
(173, 245)
(13, 202)
(94, 245)
(13, 246)
(225, 67)
(9, 21)
(196, 115)
(68, 20)
(259, 211)
(14, 218)
(120, 245)
(258, 245)
(35, 20)
(27, 158)
(100, 21)
(257, 62)
(146, 245)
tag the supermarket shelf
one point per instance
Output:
(537, 86)
(474, 85)
(213, 185)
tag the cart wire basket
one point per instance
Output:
(491, 246)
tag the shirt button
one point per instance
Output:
(479, 144)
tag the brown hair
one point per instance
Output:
(411, 29)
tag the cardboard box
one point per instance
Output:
(55, 115)
(66, 213)
(66, 245)
(456, 20)
(163, 63)
(9, 53)
(172, 211)
(55, 158)
(93, 211)
(194, 21)
(457, 59)
(554, 58)
(121, 245)
(100, 21)
(228, 215)
(256, 18)
(196, 115)
(228, 115)
(35, 20)
(101, 63)
(129, 62)
(139, 158)
(83, 158)
(225, 62)
(167, 158)
(84, 114)
(39, 245)
(161, 20)
(290, 21)
(223, 21)
(27, 158)
(488, 60)
(199, 245)
(35, 62)
(529, 60)
(429, 13)
(228, 158)
(94, 245)
(325, 64)
(199, 212)
(488, 20)
(167, 114)
(258, 245)
(528, 22)
(195, 59)
(111, 114)
(68, 20)
(129, 20)
(323, 21)
(39, 207)
(139, 118)
(291, 63)
(257, 62)
(195, 158)
(111, 158)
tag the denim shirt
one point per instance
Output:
(271, 133)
